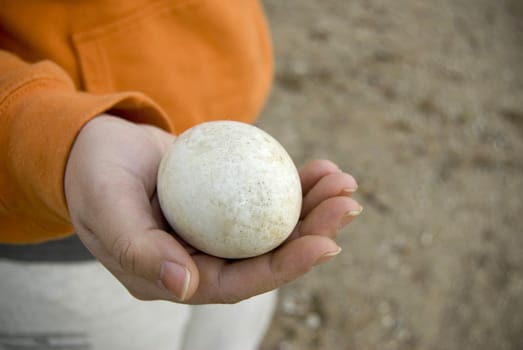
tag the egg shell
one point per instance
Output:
(229, 189)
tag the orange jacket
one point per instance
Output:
(170, 63)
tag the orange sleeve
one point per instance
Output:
(41, 112)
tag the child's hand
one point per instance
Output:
(110, 188)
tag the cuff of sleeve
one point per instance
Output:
(43, 118)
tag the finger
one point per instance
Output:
(313, 171)
(161, 137)
(242, 279)
(331, 185)
(328, 217)
(127, 229)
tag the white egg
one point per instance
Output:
(229, 189)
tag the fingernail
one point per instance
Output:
(348, 216)
(348, 191)
(175, 278)
(354, 212)
(327, 256)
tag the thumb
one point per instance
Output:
(129, 234)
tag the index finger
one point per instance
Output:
(313, 171)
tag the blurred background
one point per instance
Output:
(422, 101)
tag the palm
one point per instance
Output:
(110, 188)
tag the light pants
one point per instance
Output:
(81, 306)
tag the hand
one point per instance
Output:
(110, 186)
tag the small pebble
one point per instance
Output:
(388, 322)
(403, 335)
(313, 320)
(289, 306)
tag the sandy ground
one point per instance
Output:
(422, 101)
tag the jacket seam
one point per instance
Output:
(16, 91)
(129, 19)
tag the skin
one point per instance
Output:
(110, 186)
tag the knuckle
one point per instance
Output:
(125, 252)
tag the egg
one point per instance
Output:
(229, 189)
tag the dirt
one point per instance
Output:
(422, 101)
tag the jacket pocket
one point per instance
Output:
(199, 60)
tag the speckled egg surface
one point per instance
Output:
(229, 189)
